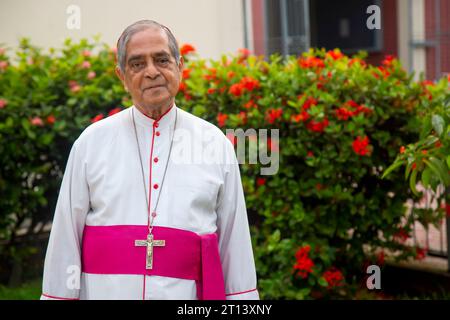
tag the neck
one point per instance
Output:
(154, 112)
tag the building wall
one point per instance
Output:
(212, 26)
(437, 28)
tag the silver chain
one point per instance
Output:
(152, 216)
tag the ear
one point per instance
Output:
(181, 65)
(121, 76)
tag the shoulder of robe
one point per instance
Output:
(205, 127)
(103, 131)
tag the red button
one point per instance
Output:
(157, 133)
(156, 124)
(156, 159)
(155, 186)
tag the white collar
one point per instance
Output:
(165, 120)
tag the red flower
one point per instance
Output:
(273, 115)
(3, 103)
(308, 103)
(360, 145)
(343, 113)
(91, 75)
(211, 90)
(186, 49)
(51, 119)
(250, 83)
(230, 75)
(74, 86)
(384, 72)
(303, 116)
(212, 75)
(304, 264)
(335, 54)
(250, 104)
(236, 89)
(311, 62)
(310, 154)
(244, 52)
(86, 65)
(380, 258)
(401, 235)
(334, 277)
(182, 87)
(402, 149)
(317, 126)
(114, 111)
(260, 181)
(421, 253)
(3, 65)
(186, 73)
(222, 119)
(388, 60)
(353, 104)
(37, 121)
(243, 117)
(97, 118)
(447, 209)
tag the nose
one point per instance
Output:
(151, 71)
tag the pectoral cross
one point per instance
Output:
(149, 243)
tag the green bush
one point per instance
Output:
(316, 223)
(428, 159)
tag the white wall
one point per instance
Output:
(212, 26)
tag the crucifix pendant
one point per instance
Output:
(149, 243)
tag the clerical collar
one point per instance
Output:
(163, 121)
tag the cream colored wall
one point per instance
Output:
(403, 32)
(418, 34)
(212, 26)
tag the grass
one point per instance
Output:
(27, 291)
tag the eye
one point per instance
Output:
(163, 61)
(137, 65)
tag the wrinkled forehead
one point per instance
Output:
(148, 42)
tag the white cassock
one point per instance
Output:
(103, 187)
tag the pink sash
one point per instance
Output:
(186, 255)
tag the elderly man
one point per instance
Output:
(134, 219)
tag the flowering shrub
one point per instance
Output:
(327, 214)
(46, 100)
(428, 159)
(315, 224)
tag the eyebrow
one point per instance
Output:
(141, 56)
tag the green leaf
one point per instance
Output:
(438, 124)
(438, 171)
(426, 174)
(46, 138)
(412, 182)
(323, 282)
(391, 168)
(442, 170)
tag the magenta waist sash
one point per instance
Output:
(186, 255)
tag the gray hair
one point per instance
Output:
(139, 26)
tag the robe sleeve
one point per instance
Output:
(235, 245)
(62, 268)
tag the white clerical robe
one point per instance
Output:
(103, 186)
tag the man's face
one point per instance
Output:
(152, 76)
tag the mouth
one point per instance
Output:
(153, 87)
